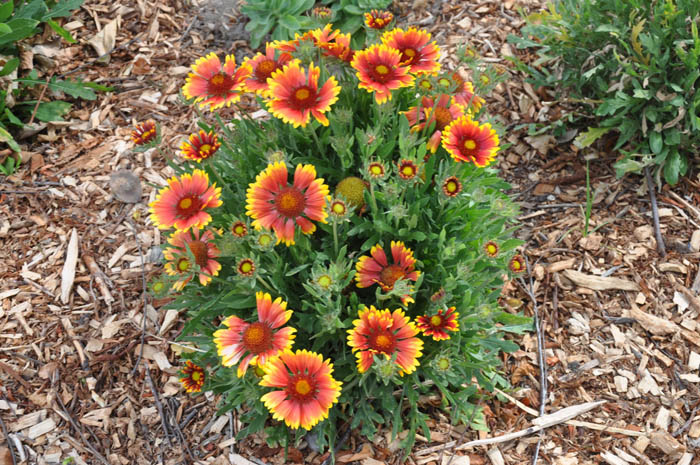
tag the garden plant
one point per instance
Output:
(343, 256)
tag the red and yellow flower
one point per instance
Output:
(468, 141)
(193, 377)
(262, 67)
(200, 146)
(239, 229)
(379, 70)
(185, 246)
(384, 332)
(438, 324)
(376, 269)
(259, 340)
(451, 186)
(246, 267)
(517, 264)
(441, 112)
(378, 19)
(376, 170)
(144, 133)
(417, 51)
(462, 92)
(274, 204)
(183, 203)
(339, 48)
(294, 97)
(491, 249)
(214, 84)
(407, 169)
(307, 389)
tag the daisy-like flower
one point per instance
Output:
(441, 112)
(468, 141)
(182, 204)
(200, 146)
(338, 208)
(378, 19)
(246, 267)
(274, 204)
(322, 12)
(438, 324)
(193, 377)
(239, 229)
(186, 244)
(417, 51)
(264, 240)
(517, 264)
(463, 92)
(376, 170)
(214, 84)
(379, 70)
(307, 389)
(324, 281)
(262, 67)
(294, 97)
(438, 295)
(258, 341)
(491, 249)
(384, 332)
(407, 170)
(375, 269)
(339, 48)
(145, 133)
(451, 187)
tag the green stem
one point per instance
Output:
(219, 179)
(264, 283)
(372, 199)
(316, 140)
(335, 238)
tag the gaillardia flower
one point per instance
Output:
(182, 204)
(375, 269)
(262, 67)
(239, 229)
(517, 264)
(215, 85)
(145, 133)
(338, 208)
(438, 324)
(384, 332)
(379, 70)
(407, 169)
(462, 92)
(417, 51)
(441, 112)
(246, 267)
(451, 186)
(258, 341)
(274, 204)
(378, 19)
(307, 388)
(491, 249)
(376, 170)
(193, 377)
(468, 141)
(200, 146)
(186, 244)
(294, 97)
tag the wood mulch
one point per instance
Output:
(80, 378)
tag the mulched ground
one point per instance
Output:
(80, 378)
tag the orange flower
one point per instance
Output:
(339, 48)
(441, 112)
(193, 377)
(517, 264)
(417, 51)
(259, 340)
(145, 133)
(200, 146)
(384, 332)
(380, 71)
(262, 67)
(375, 269)
(246, 267)
(438, 324)
(463, 92)
(276, 205)
(239, 229)
(183, 202)
(378, 19)
(467, 141)
(407, 170)
(491, 249)
(215, 85)
(308, 389)
(376, 170)
(451, 187)
(203, 250)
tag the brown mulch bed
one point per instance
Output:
(80, 378)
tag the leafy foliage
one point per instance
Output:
(279, 18)
(348, 15)
(631, 64)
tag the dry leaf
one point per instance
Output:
(105, 40)
(68, 272)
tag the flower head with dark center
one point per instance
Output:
(517, 264)
(439, 111)
(200, 146)
(145, 133)
(214, 84)
(262, 67)
(376, 170)
(468, 141)
(239, 229)
(246, 267)
(439, 324)
(254, 343)
(491, 249)
(191, 248)
(379, 70)
(378, 19)
(192, 377)
(417, 51)
(407, 170)
(376, 269)
(451, 186)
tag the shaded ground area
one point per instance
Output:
(79, 377)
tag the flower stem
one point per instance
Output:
(335, 238)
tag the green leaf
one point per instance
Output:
(586, 138)
(62, 8)
(12, 118)
(75, 89)
(672, 168)
(52, 111)
(353, 10)
(5, 29)
(61, 32)
(290, 22)
(21, 29)
(656, 143)
(7, 138)
(10, 66)
(6, 10)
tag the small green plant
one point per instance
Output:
(633, 65)
(348, 15)
(279, 18)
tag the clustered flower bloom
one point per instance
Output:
(200, 146)
(437, 325)
(213, 84)
(193, 377)
(378, 19)
(144, 133)
(379, 70)
(186, 243)
(468, 141)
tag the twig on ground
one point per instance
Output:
(41, 96)
(343, 438)
(660, 247)
(144, 294)
(640, 456)
(178, 432)
(9, 442)
(686, 424)
(159, 406)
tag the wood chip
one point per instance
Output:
(495, 456)
(68, 272)
(600, 283)
(613, 459)
(652, 323)
(41, 429)
(620, 383)
(667, 443)
(663, 418)
(686, 459)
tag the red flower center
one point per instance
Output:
(381, 73)
(188, 206)
(265, 69)
(436, 320)
(301, 387)
(257, 338)
(199, 250)
(290, 202)
(390, 275)
(383, 341)
(220, 84)
(303, 97)
(443, 117)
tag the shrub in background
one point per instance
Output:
(631, 64)
(343, 257)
